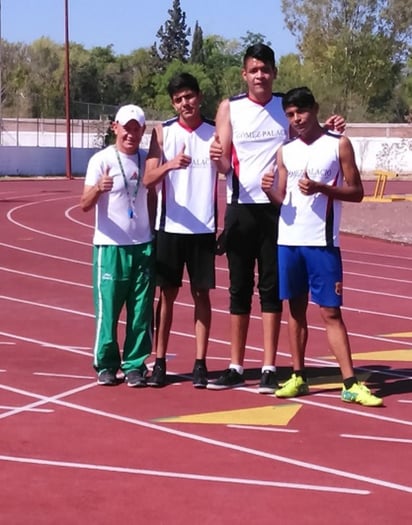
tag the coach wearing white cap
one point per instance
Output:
(123, 252)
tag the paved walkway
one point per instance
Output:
(390, 220)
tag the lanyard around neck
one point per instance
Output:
(131, 200)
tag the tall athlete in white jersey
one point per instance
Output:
(317, 171)
(249, 130)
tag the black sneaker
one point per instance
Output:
(268, 383)
(229, 379)
(158, 377)
(107, 377)
(135, 378)
(199, 376)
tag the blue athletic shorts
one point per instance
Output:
(314, 269)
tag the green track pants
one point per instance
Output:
(123, 276)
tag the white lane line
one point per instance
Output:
(367, 414)
(361, 412)
(46, 255)
(380, 277)
(48, 306)
(264, 429)
(195, 437)
(67, 376)
(376, 255)
(77, 350)
(378, 292)
(47, 344)
(40, 410)
(45, 278)
(368, 263)
(43, 400)
(68, 216)
(188, 475)
(345, 308)
(42, 232)
(377, 438)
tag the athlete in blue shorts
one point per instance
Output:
(316, 172)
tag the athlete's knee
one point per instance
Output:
(331, 314)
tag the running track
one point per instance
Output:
(73, 452)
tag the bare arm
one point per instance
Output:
(352, 190)
(151, 206)
(221, 147)
(91, 194)
(155, 168)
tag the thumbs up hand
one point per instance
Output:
(216, 149)
(268, 180)
(306, 185)
(181, 161)
(106, 181)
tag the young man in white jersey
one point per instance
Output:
(123, 258)
(317, 171)
(249, 130)
(179, 166)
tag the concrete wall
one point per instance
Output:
(389, 153)
(30, 161)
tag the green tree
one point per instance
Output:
(197, 55)
(290, 73)
(223, 64)
(253, 38)
(356, 48)
(173, 36)
(15, 71)
(161, 102)
(405, 89)
(46, 69)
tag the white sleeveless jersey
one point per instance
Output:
(311, 220)
(187, 198)
(113, 222)
(257, 133)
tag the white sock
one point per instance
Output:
(238, 368)
(271, 368)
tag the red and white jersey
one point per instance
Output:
(187, 198)
(311, 220)
(121, 215)
(257, 133)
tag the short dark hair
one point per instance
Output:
(182, 81)
(261, 52)
(301, 97)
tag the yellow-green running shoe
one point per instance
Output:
(295, 386)
(359, 393)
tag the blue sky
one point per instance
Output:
(127, 26)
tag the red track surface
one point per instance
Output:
(73, 452)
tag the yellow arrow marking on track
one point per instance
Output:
(318, 387)
(398, 334)
(381, 355)
(386, 355)
(265, 416)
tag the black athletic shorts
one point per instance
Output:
(251, 232)
(196, 251)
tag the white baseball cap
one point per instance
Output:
(130, 112)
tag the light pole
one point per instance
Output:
(1, 87)
(67, 90)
